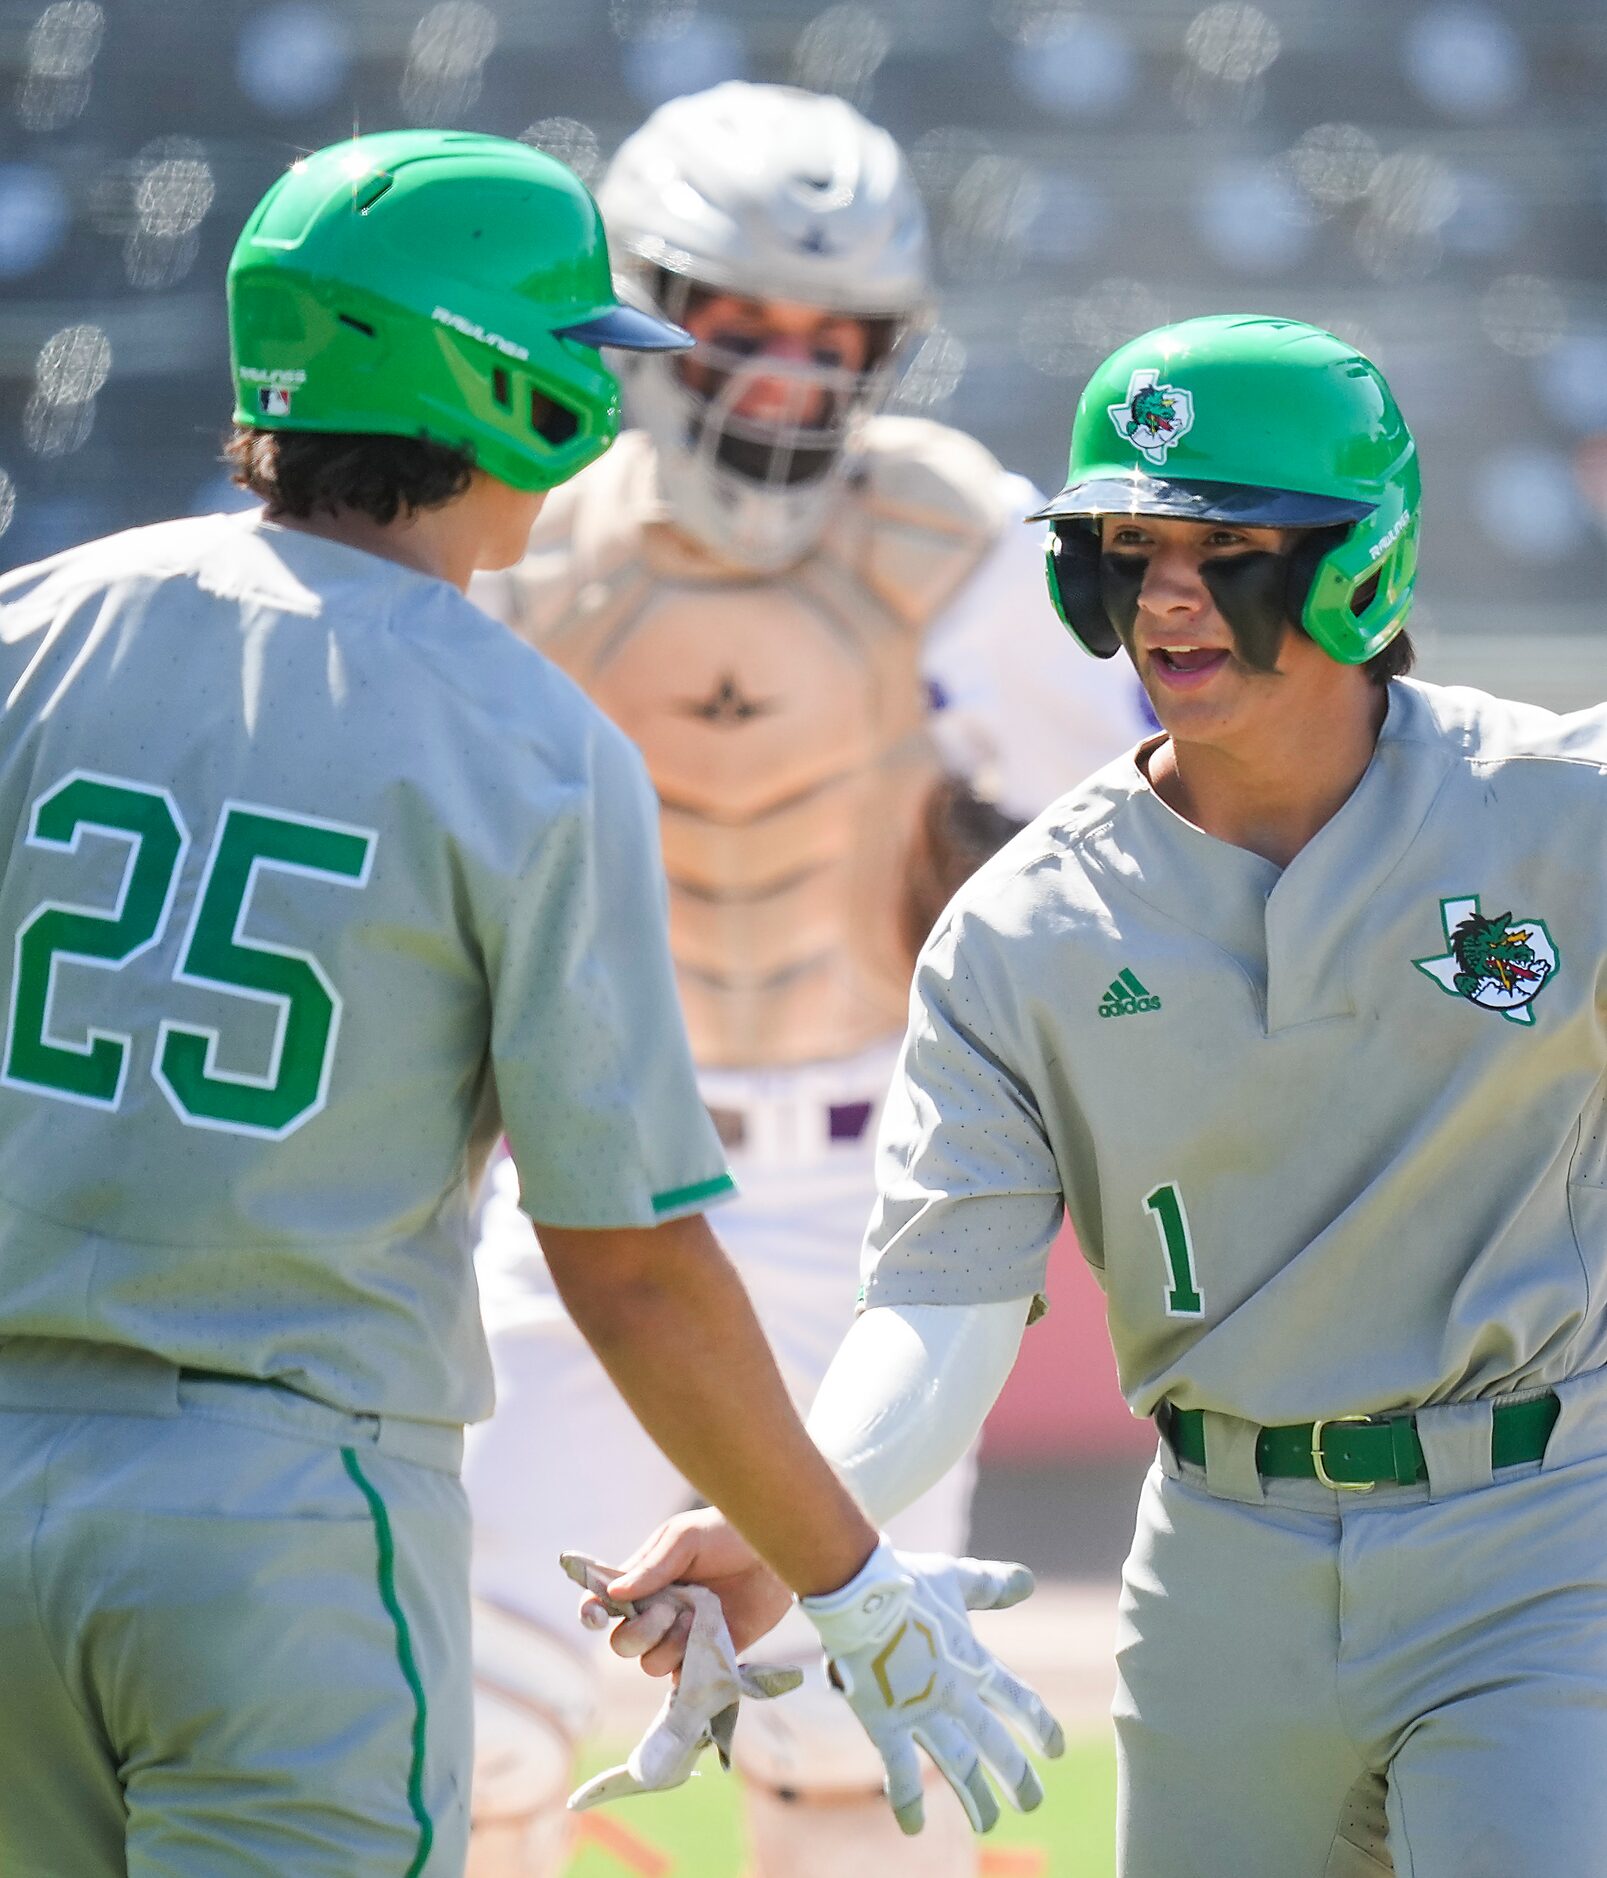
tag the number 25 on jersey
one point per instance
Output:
(214, 953)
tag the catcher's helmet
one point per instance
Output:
(774, 194)
(434, 284)
(1256, 421)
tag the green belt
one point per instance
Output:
(1357, 1452)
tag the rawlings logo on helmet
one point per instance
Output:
(1385, 542)
(472, 329)
(1154, 415)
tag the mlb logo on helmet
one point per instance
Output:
(273, 401)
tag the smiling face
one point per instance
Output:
(1209, 679)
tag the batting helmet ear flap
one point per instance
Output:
(1304, 559)
(1071, 561)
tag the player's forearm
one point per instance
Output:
(907, 1394)
(670, 1321)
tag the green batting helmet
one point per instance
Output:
(1259, 422)
(435, 284)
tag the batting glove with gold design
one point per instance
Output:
(901, 1649)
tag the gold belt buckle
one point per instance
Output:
(1323, 1475)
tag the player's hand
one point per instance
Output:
(702, 1707)
(901, 1648)
(696, 1548)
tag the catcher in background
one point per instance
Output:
(827, 633)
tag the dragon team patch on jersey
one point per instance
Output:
(1497, 962)
(1154, 417)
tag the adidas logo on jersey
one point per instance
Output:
(1126, 997)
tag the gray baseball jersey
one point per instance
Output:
(1333, 1138)
(317, 877)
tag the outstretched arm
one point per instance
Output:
(902, 1402)
(907, 1393)
(963, 1150)
(669, 1320)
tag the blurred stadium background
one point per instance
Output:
(1428, 179)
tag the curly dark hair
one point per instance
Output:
(1395, 661)
(310, 472)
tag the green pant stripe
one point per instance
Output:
(404, 1655)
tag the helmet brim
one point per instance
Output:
(628, 329)
(1133, 492)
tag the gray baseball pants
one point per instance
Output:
(233, 1629)
(1315, 1684)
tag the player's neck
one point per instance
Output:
(1272, 788)
(431, 541)
(486, 525)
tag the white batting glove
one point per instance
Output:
(700, 1710)
(902, 1650)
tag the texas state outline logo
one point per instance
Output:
(1154, 417)
(1497, 962)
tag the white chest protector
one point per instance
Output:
(783, 719)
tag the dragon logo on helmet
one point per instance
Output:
(1154, 415)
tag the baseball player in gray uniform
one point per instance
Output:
(317, 881)
(1300, 1011)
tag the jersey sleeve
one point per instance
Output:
(969, 1193)
(1023, 713)
(593, 1070)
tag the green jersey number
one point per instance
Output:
(295, 1085)
(57, 933)
(1165, 1207)
(215, 954)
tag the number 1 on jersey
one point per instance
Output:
(1165, 1207)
